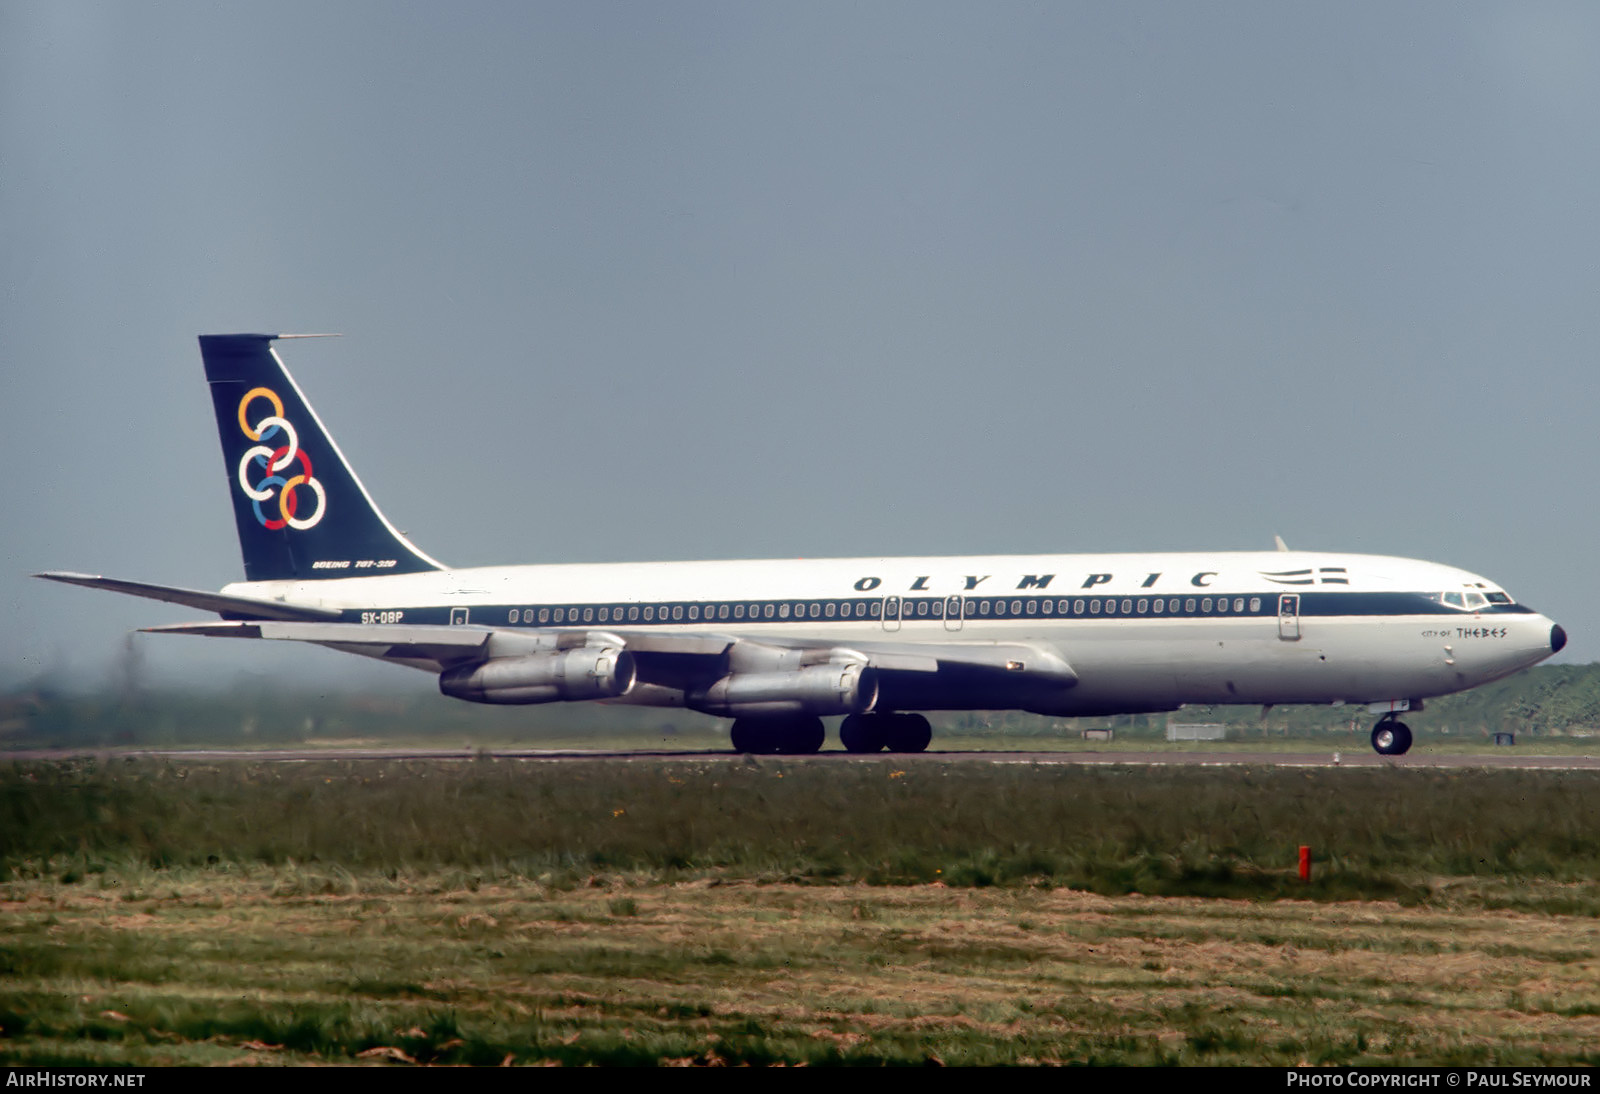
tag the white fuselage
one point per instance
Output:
(1141, 631)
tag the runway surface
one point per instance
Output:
(1188, 758)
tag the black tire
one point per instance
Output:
(908, 733)
(862, 733)
(803, 736)
(777, 736)
(1391, 738)
(747, 736)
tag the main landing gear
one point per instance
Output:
(896, 732)
(1391, 737)
(778, 736)
(801, 735)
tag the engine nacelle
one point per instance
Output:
(588, 672)
(843, 688)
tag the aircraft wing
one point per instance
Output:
(664, 658)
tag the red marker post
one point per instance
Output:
(1305, 863)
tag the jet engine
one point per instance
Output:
(587, 672)
(833, 688)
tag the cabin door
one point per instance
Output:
(891, 613)
(1289, 616)
(952, 612)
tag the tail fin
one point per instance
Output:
(301, 511)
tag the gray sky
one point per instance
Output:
(660, 281)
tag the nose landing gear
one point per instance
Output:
(1391, 737)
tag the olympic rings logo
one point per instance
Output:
(274, 462)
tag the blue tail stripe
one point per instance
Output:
(300, 510)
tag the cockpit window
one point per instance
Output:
(1499, 598)
(1476, 600)
(1454, 600)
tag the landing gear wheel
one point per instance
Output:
(908, 733)
(747, 735)
(1391, 738)
(803, 736)
(777, 736)
(862, 733)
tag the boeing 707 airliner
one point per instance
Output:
(779, 645)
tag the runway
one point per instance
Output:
(1420, 758)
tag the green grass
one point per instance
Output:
(211, 966)
(738, 910)
(1384, 833)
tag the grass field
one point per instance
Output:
(725, 910)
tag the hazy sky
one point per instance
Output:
(642, 280)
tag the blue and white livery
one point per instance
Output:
(778, 645)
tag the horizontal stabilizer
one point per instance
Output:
(221, 603)
(440, 645)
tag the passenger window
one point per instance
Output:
(1127, 607)
(738, 611)
(544, 615)
(1077, 607)
(677, 611)
(1157, 605)
(605, 614)
(983, 607)
(1061, 608)
(694, 611)
(828, 610)
(722, 611)
(1033, 606)
(1143, 605)
(1238, 604)
(1205, 605)
(769, 611)
(1094, 606)
(1047, 607)
(559, 615)
(876, 609)
(588, 615)
(1255, 604)
(1016, 607)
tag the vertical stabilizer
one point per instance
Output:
(301, 512)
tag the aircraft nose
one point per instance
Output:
(1558, 637)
